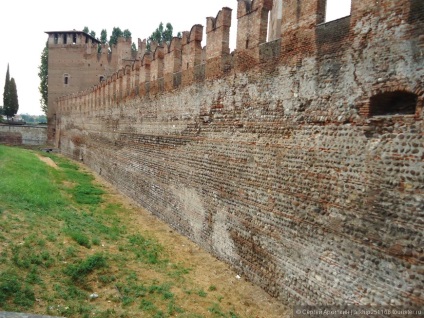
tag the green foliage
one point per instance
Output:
(10, 96)
(103, 36)
(6, 92)
(80, 238)
(12, 289)
(146, 250)
(86, 30)
(34, 119)
(127, 34)
(116, 33)
(13, 107)
(87, 194)
(43, 72)
(82, 269)
(161, 35)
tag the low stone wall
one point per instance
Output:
(23, 135)
(4, 314)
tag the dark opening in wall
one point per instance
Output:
(393, 103)
(56, 38)
(74, 38)
(101, 78)
(66, 79)
(65, 38)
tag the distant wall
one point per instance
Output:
(299, 161)
(23, 135)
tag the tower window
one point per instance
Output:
(393, 103)
(66, 79)
(101, 78)
(65, 38)
(74, 38)
(56, 38)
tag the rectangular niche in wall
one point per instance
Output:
(393, 103)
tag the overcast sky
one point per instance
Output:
(24, 22)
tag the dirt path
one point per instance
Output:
(48, 161)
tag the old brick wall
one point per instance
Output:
(23, 135)
(278, 166)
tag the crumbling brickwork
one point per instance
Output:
(298, 161)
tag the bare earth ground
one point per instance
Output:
(247, 299)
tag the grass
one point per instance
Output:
(62, 238)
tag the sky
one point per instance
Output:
(24, 22)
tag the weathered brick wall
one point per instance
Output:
(23, 135)
(277, 166)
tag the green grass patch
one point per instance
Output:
(63, 238)
(14, 292)
(79, 271)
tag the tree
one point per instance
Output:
(43, 74)
(116, 33)
(127, 34)
(103, 36)
(14, 97)
(93, 34)
(10, 96)
(6, 92)
(161, 35)
(86, 30)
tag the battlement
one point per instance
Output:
(296, 160)
(70, 38)
(184, 61)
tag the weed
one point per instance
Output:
(11, 289)
(106, 279)
(70, 252)
(212, 288)
(173, 308)
(146, 250)
(147, 305)
(79, 271)
(202, 293)
(51, 237)
(33, 277)
(95, 241)
(80, 238)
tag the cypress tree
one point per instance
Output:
(13, 97)
(6, 92)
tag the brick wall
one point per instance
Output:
(277, 166)
(23, 135)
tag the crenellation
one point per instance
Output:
(156, 68)
(297, 160)
(252, 26)
(191, 53)
(218, 43)
(173, 64)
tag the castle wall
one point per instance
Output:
(81, 63)
(23, 135)
(298, 161)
